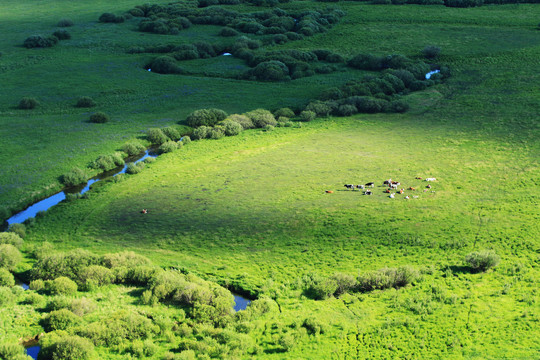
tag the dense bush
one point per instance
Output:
(66, 347)
(307, 115)
(481, 261)
(10, 256)
(99, 118)
(134, 168)
(6, 278)
(95, 275)
(11, 238)
(74, 177)
(82, 306)
(243, 120)
(7, 296)
(156, 136)
(313, 326)
(38, 41)
(217, 132)
(61, 286)
(111, 18)
(17, 229)
(168, 146)
(164, 65)
(319, 108)
(261, 117)
(85, 102)
(398, 106)
(107, 162)
(285, 112)
(28, 103)
(346, 110)
(12, 351)
(62, 34)
(319, 288)
(366, 62)
(65, 23)
(431, 51)
(185, 140)
(227, 31)
(269, 71)
(171, 133)
(52, 265)
(386, 278)
(59, 320)
(133, 147)
(231, 128)
(206, 117)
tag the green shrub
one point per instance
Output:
(12, 351)
(285, 112)
(164, 65)
(37, 285)
(111, 18)
(386, 278)
(134, 168)
(270, 71)
(133, 147)
(28, 103)
(366, 62)
(10, 256)
(319, 288)
(85, 102)
(7, 297)
(59, 320)
(4, 214)
(481, 261)
(231, 128)
(75, 177)
(62, 34)
(216, 132)
(124, 258)
(99, 118)
(268, 127)
(156, 136)
(398, 106)
(346, 110)
(307, 115)
(97, 275)
(11, 238)
(431, 51)
(61, 286)
(6, 278)
(66, 347)
(227, 31)
(185, 139)
(38, 41)
(171, 133)
(313, 326)
(261, 118)
(32, 298)
(108, 162)
(243, 120)
(168, 146)
(206, 117)
(82, 306)
(65, 23)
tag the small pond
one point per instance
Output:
(240, 303)
(33, 351)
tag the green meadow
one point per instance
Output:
(265, 213)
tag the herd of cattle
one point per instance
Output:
(390, 185)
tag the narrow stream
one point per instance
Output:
(428, 75)
(55, 199)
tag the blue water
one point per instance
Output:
(428, 75)
(33, 351)
(240, 303)
(55, 199)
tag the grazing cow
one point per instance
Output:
(387, 182)
(401, 191)
(391, 196)
(411, 188)
(395, 183)
(415, 197)
(418, 178)
(387, 191)
(349, 186)
(431, 179)
(428, 186)
(360, 187)
(368, 192)
(370, 184)
(329, 192)
(407, 197)
(393, 186)
(144, 211)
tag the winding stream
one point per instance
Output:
(428, 75)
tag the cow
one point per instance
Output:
(144, 211)
(360, 187)
(349, 186)
(395, 183)
(391, 196)
(368, 192)
(401, 191)
(387, 182)
(329, 192)
(411, 188)
(428, 186)
(387, 191)
(394, 186)
(407, 197)
(418, 178)
(370, 184)
(431, 179)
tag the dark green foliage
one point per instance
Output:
(62, 34)
(168, 146)
(12, 351)
(270, 71)
(231, 128)
(75, 177)
(313, 326)
(346, 110)
(53, 265)
(99, 118)
(164, 65)
(201, 132)
(285, 112)
(386, 278)
(261, 118)
(242, 120)
(4, 214)
(318, 287)
(185, 140)
(431, 51)
(6, 278)
(108, 162)
(463, 3)
(481, 261)
(95, 275)
(133, 147)
(65, 23)
(28, 103)
(11, 237)
(38, 41)
(227, 31)
(217, 132)
(307, 115)
(156, 136)
(111, 18)
(207, 117)
(85, 102)
(59, 320)
(398, 106)
(66, 347)
(366, 104)
(319, 108)
(134, 168)
(10, 256)
(171, 133)
(61, 286)
(366, 62)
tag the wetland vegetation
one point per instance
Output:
(315, 95)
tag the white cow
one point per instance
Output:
(431, 179)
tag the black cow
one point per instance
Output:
(370, 184)
(350, 187)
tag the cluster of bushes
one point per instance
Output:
(481, 261)
(170, 26)
(74, 177)
(111, 18)
(448, 3)
(99, 118)
(108, 162)
(159, 136)
(318, 287)
(10, 257)
(85, 102)
(39, 41)
(28, 103)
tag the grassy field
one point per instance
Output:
(251, 211)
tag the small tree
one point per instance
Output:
(231, 128)
(243, 120)
(133, 148)
(307, 115)
(99, 118)
(261, 118)
(75, 177)
(6, 278)
(62, 34)
(431, 51)
(28, 103)
(59, 320)
(285, 112)
(65, 23)
(10, 256)
(171, 133)
(482, 261)
(168, 146)
(11, 237)
(61, 285)
(156, 136)
(206, 117)
(85, 102)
